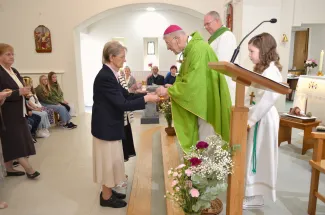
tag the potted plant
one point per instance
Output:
(203, 176)
(166, 109)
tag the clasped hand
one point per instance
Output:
(162, 92)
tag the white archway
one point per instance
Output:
(82, 28)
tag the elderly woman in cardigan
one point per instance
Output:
(16, 138)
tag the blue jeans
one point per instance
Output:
(61, 110)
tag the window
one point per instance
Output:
(151, 48)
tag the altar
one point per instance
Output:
(310, 95)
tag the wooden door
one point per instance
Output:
(300, 49)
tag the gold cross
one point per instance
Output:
(252, 95)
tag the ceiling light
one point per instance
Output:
(151, 9)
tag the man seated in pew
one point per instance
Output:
(200, 96)
(155, 78)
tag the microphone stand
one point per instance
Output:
(234, 56)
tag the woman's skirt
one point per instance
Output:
(108, 162)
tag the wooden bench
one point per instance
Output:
(140, 197)
(285, 131)
(171, 159)
(318, 166)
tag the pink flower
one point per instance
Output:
(202, 145)
(174, 183)
(180, 166)
(194, 192)
(195, 161)
(177, 189)
(175, 174)
(188, 172)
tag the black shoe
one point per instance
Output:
(69, 126)
(73, 125)
(18, 173)
(34, 175)
(118, 195)
(15, 163)
(112, 202)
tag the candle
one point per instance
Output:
(321, 61)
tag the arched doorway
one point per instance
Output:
(155, 30)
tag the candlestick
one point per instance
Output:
(321, 61)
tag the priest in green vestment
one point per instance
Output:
(223, 42)
(201, 103)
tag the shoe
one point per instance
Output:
(18, 173)
(73, 125)
(112, 202)
(118, 195)
(15, 163)
(68, 126)
(42, 134)
(34, 175)
(253, 202)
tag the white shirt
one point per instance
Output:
(115, 72)
(224, 47)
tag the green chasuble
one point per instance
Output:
(218, 32)
(199, 92)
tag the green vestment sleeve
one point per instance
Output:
(199, 92)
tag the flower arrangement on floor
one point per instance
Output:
(166, 109)
(203, 175)
(310, 63)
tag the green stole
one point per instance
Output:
(216, 34)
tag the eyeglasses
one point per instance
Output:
(208, 23)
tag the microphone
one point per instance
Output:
(234, 56)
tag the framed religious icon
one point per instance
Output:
(42, 36)
(230, 16)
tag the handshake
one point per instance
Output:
(159, 95)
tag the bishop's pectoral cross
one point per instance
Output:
(251, 101)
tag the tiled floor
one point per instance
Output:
(66, 188)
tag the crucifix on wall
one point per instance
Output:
(251, 101)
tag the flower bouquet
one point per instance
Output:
(150, 65)
(203, 176)
(311, 63)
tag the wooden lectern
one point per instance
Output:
(238, 126)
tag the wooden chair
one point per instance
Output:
(56, 118)
(318, 165)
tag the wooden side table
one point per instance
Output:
(285, 132)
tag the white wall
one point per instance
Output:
(140, 24)
(309, 12)
(19, 18)
(292, 47)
